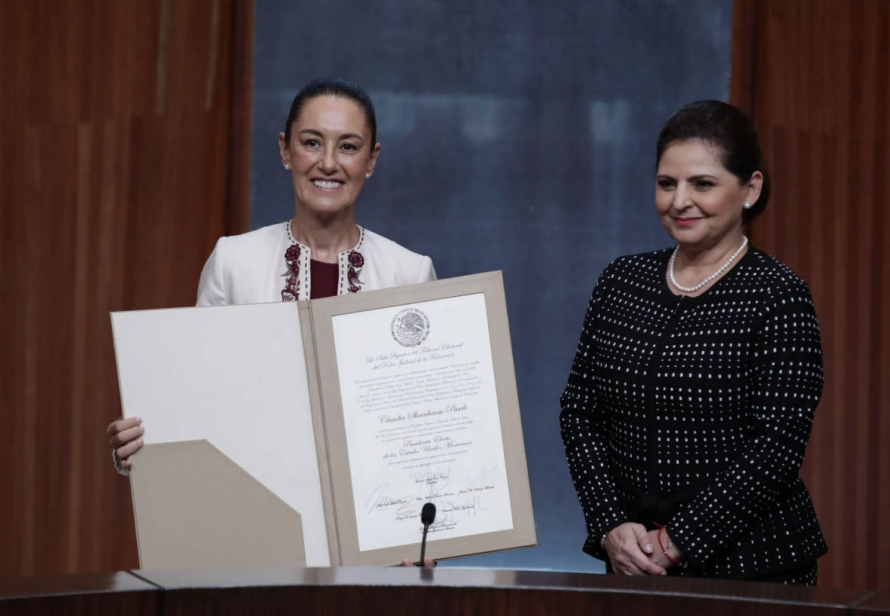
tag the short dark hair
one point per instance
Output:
(333, 87)
(728, 128)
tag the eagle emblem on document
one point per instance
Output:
(410, 327)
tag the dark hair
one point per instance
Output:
(728, 128)
(333, 87)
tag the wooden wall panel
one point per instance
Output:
(814, 74)
(124, 144)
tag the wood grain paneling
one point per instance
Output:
(814, 75)
(125, 140)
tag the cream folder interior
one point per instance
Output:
(247, 394)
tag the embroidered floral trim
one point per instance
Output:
(291, 291)
(356, 262)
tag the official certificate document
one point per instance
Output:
(411, 398)
(422, 421)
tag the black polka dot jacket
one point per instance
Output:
(695, 412)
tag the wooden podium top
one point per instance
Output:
(445, 590)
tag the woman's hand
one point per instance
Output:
(126, 438)
(658, 556)
(629, 547)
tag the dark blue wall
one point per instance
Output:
(517, 136)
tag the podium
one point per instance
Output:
(400, 591)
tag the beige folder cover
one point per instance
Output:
(187, 512)
(347, 550)
(195, 508)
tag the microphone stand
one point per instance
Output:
(426, 527)
(427, 517)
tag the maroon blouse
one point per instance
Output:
(324, 278)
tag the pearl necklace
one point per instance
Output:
(709, 278)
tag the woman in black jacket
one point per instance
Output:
(691, 397)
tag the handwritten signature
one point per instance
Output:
(463, 499)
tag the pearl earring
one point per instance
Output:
(748, 206)
(287, 166)
(367, 176)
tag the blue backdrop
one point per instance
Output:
(517, 136)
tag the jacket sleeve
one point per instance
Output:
(211, 287)
(584, 428)
(785, 384)
(427, 272)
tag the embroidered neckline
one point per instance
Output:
(353, 259)
(291, 291)
(356, 262)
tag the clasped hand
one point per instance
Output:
(635, 551)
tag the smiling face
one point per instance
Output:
(330, 155)
(700, 202)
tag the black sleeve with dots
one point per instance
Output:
(584, 431)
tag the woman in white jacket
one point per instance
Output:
(329, 147)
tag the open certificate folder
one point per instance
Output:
(314, 432)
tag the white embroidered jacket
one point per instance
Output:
(268, 265)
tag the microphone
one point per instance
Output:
(427, 517)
